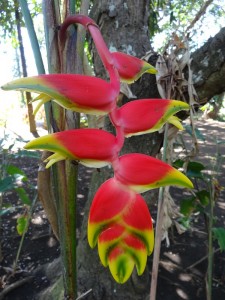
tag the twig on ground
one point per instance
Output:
(83, 295)
(201, 260)
(14, 285)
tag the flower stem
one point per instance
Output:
(158, 230)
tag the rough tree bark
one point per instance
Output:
(124, 25)
(208, 66)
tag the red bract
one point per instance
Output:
(142, 172)
(131, 68)
(121, 223)
(92, 147)
(146, 115)
(75, 92)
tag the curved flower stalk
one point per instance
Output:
(91, 147)
(79, 93)
(148, 115)
(119, 220)
(130, 68)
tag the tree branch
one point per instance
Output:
(208, 66)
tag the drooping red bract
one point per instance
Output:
(146, 115)
(92, 147)
(142, 172)
(80, 93)
(131, 68)
(120, 222)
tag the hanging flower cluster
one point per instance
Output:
(119, 220)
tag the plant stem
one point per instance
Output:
(66, 202)
(24, 233)
(36, 50)
(158, 230)
(32, 36)
(210, 242)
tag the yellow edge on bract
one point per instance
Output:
(122, 267)
(103, 249)
(148, 68)
(145, 236)
(175, 107)
(49, 143)
(174, 178)
(38, 85)
(176, 122)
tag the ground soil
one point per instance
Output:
(183, 263)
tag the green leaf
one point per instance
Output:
(219, 235)
(194, 169)
(30, 154)
(23, 196)
(13, 170)
(22, 224)
(7, 184)
(198, 133)
(187, 206)
(203, 197)
(178, 163)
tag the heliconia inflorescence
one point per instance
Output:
(119, 220)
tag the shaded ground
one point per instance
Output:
(182, 266)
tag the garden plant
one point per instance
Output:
(119, 222)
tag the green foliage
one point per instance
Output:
(219, 235)
(197, 132)
(194, 169)
(178, 16)
(7, 16)
(22, 223)
(12, 178)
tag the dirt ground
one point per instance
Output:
(183, 263)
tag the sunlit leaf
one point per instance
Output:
(22, 224)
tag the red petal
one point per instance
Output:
(142, 172)
(130, 68)
(89, 143)
(75, 92)
(146, 115)
(84, 91)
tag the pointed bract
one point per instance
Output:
(79, 93)
(92, 147)
(142, 172)
(121, 264)
(131, 68)
(119, 219)
(148, 115)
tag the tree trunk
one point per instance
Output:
(31, 118)
(124, 25)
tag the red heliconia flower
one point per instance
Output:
(75, 92)
(131, 68)
(147, 115)
(120, 222)
(91, 147)
(100, 45)
(142, 172)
